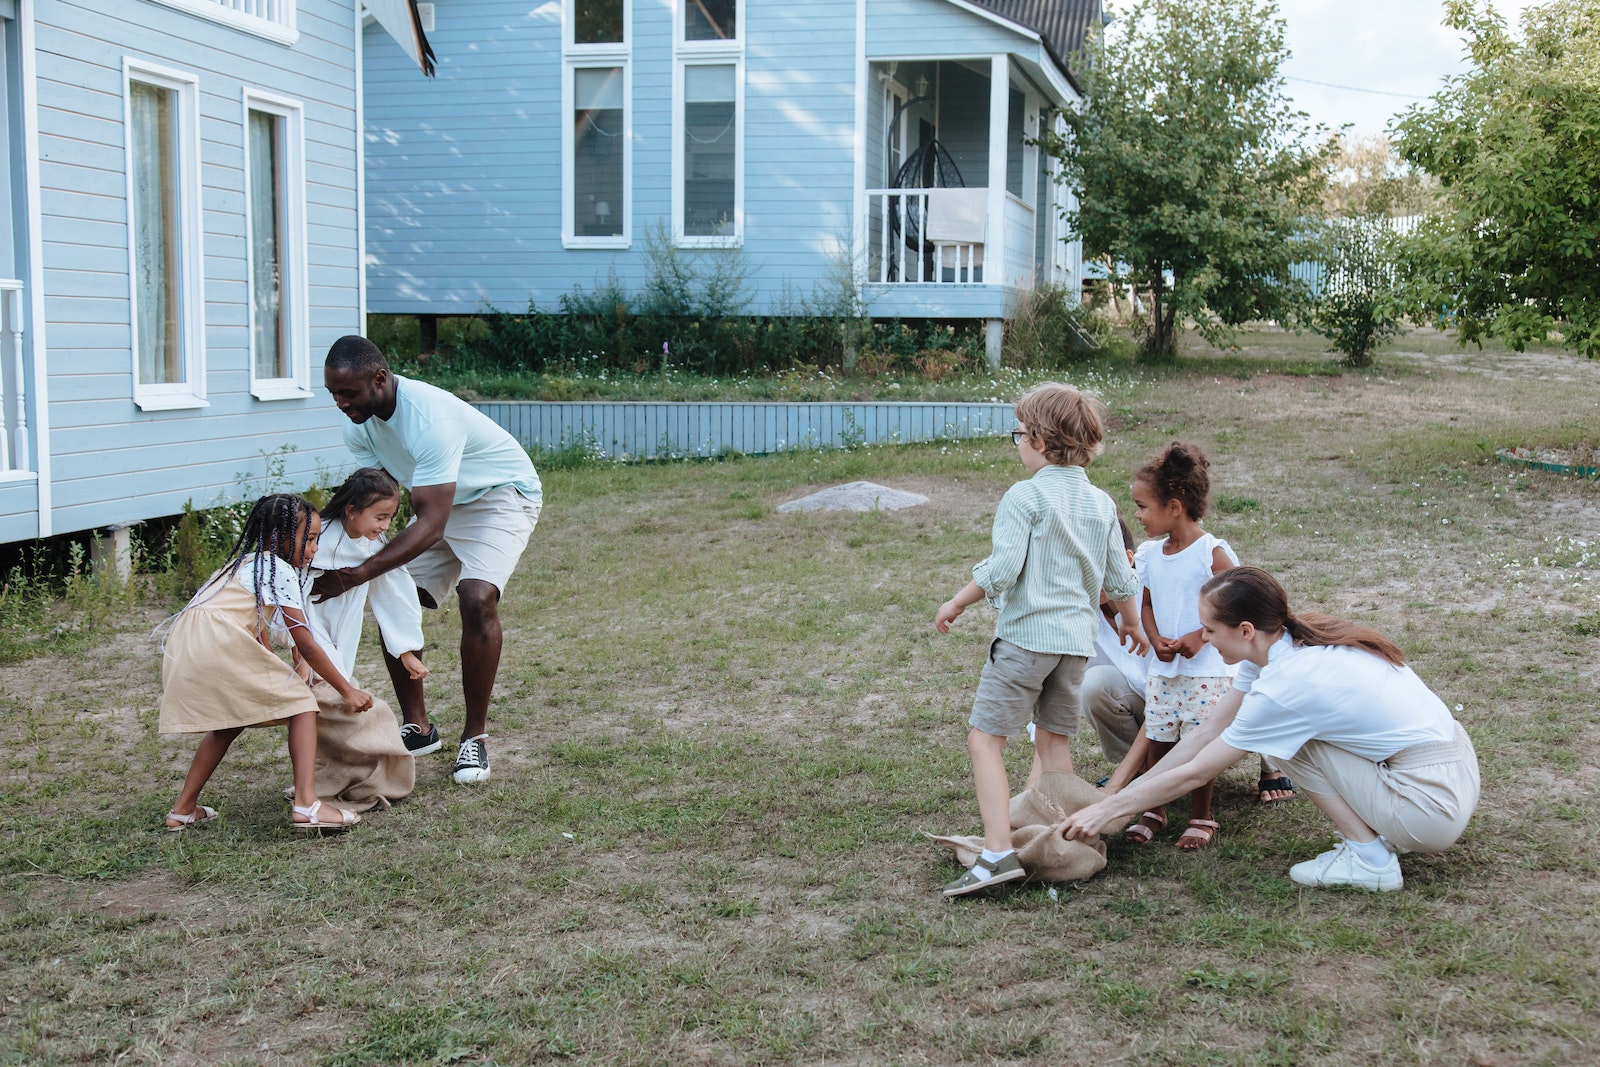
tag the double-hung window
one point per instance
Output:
(162, 123)
(275, 232)
(597, 142)
(707, 124)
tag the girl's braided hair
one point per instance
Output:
(1180, 473)
(1250, 594)
(359, 492)
(274, 532)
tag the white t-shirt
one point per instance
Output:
(1109, 650)
(435, 438)
(281, 581)
(1174, 583)
(1347, 697)
(280, 588)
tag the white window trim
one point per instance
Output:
(577, 57)
(191, 392)
(295, 295)
(679, 163)
(680, 24)
(708, 54)
(283, 31)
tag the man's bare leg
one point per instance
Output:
(480, 651)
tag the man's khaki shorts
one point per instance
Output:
(483, 540)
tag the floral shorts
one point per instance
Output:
(1174, 706)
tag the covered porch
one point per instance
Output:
(962, 209)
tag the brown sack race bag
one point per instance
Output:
(1035, 813)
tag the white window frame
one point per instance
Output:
(191, 391)
(275, 20)
(294, 288)
(680, 163)
(577, 57)
(680, 28)
(707, 54)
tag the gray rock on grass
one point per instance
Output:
(856, 496)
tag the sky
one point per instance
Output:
(1387, 54)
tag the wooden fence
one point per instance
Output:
(645, 430)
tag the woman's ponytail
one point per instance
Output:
(1250, 594)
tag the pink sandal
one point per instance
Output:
(1199, 834)
(1144, 831)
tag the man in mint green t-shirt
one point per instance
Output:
(476, 499)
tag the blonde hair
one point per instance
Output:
(1064, 424)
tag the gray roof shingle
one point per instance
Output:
(1064, 24)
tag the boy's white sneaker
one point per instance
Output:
(1341, 866)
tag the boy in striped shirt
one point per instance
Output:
(1057, 548)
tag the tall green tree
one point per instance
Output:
(1515, 144)
(1191, 167)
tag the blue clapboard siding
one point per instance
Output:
(19, 506)
(111, 462)
(640, 430)
(463, 178)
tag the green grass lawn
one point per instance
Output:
(720, 731)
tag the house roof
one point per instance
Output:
(1064, 24)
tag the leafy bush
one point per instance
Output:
(1358, 309)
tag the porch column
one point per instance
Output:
(994, 251)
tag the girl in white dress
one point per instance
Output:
(363, 759)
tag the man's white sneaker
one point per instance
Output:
(472, 761)
(1341, 866)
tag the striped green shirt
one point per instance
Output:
(1056, 547)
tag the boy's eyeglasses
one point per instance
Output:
(1017, 436)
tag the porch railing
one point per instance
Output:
(900, 250)
(13, 382)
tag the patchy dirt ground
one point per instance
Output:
(743, 719)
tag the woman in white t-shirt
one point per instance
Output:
(1371, 745)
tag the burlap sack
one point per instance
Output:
(361, 760)
(1034, 814)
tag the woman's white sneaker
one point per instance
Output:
(1341, 866)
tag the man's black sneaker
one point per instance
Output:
(419, 743)
(472, 760)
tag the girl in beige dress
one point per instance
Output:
(220, 675)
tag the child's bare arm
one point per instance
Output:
(1163, 647)
(1220, 561)
(951, 609)
(1189, 644)
(355, 699)
(1128, 627)
(414, 668)
(1132, 764)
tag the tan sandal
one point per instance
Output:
(196, 818)
(312, 821)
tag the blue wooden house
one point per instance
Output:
(892, 136)
(180, 243)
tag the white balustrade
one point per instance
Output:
(13, 382)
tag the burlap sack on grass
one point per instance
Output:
(362, 762)
(1034, 814)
